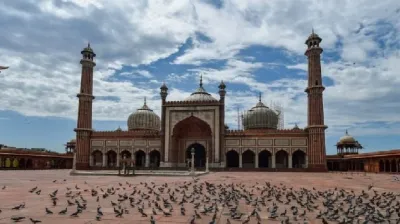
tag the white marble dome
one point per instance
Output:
(347, 139)
(260, 117)
(144, 119)
(200, 95)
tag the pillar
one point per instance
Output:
(256, 162)
(306, 162)
(104, 159)
(290, 158)
(273, 165)
(207, 164)
(118, 158)
(133, 157)
(91, 160)
(240, 161)
(192, 163)
(147, 163)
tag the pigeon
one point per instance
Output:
(34, 221)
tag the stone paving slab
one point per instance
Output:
(18, 183)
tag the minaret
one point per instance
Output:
(163, 94)
(316, 127)
(85, 96)
(222, 94)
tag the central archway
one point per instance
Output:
(199, 154)
(188, 133)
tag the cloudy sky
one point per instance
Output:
(253, 45)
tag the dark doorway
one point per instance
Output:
(22, 163)
(199, 154)
(111, 158)
(298, 159)
(140, 158)
(281, 159)
(387, 166)
(126, 154)
(263, 159)
(330, 166)
(155, 158)
(232, 159)
(97, 158)
(29, 164)
(248, 159)
(393, 166)
(381, 166)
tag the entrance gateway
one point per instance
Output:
(199, 155)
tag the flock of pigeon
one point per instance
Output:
(200, 201)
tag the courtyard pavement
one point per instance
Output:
(15, 187)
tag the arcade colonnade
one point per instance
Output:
(18, 161)
(266, 159)
(382, 165)
(111, 158)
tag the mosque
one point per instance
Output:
(197, 124)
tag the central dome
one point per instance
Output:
(260, 117)
(200, 95)
(144, 119)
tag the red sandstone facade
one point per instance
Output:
(199, 123)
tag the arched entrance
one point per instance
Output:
(7, 163)
(264, 158)
(299, 159)
(281, 159)
(199, 155)
(15, 163)
(140, 158)
(111, 158)
(232, 159)
(193, 130)
(97, 157)
(155, 158)
(126, 154)
(248, 159)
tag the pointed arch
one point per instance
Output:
(232, 158)
(111, 158)
(140, 158)
(264, 159)
(299, 159)
(97, 158)
(281, 159)
(248, 159)
(155, 157)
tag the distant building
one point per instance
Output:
(348, 158)
(21, 158)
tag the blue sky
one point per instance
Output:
(254, 46)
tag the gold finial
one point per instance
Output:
(347, 133)
(88, 44)
(259, 96)
(201, 80)
(312, 30)
(145, 101)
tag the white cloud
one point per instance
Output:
(135, 74)
(44, 74)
